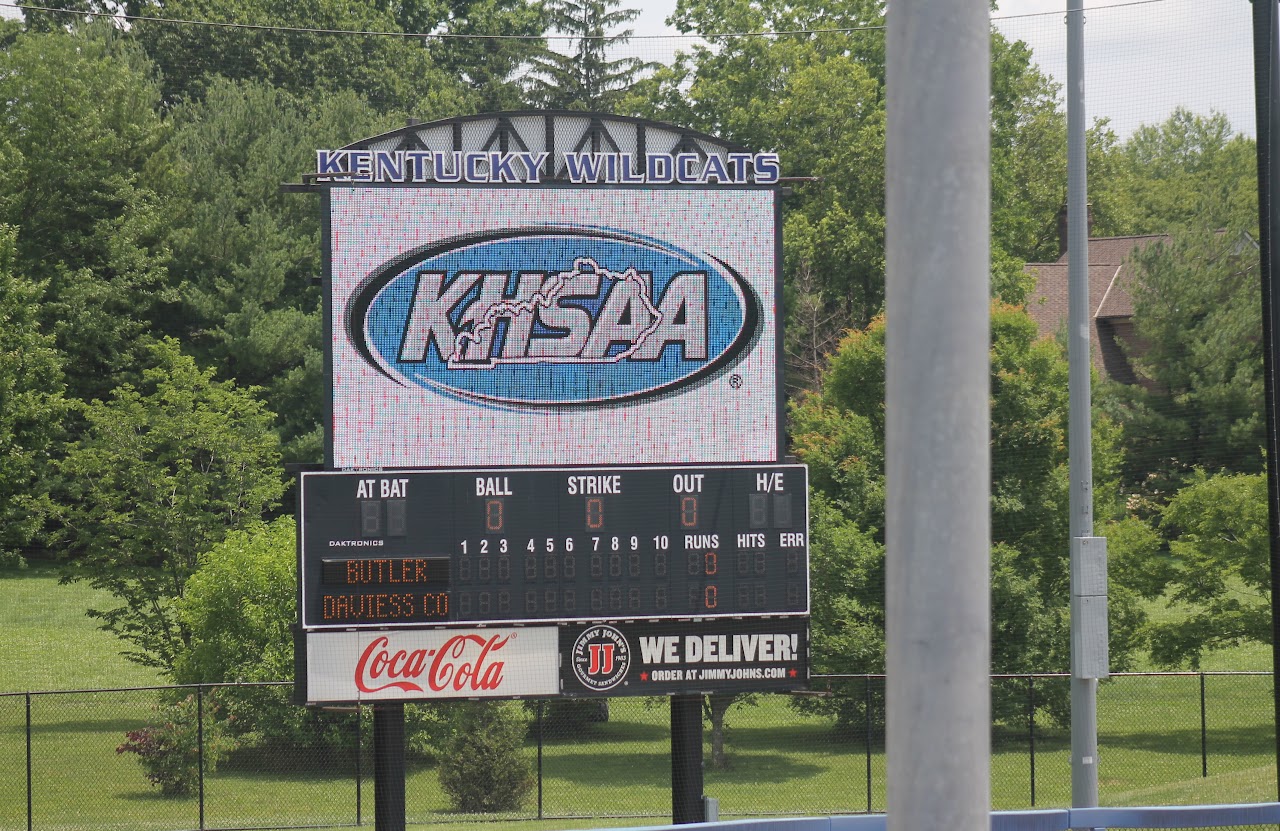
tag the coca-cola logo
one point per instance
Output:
(463, 662)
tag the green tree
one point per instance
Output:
(244, 254)
(304, 47)
(587, 78)
(1188, 170)
(239, 608)
(32, 407)
(162, 473)
(839, 433)
(1196, 311)
(1216, 569)
(78, 119)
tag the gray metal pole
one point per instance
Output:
(1266, 90)
(938, 528)
(1087, 553)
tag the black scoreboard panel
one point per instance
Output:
(420, 548)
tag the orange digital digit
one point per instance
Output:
(493, 519)
(595, 513)
(688, 512)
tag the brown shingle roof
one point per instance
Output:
(1115, 250)
(1111, 277)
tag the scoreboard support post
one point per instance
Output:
(388, 766)
(686, 759)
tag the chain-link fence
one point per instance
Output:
(171, 757)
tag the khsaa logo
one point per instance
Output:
(553, 316)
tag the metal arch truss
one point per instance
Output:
(553, 132)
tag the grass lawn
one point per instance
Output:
(611, 774)
(48, 642)
(780, 763)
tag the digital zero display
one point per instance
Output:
(406, 548)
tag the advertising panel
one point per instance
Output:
(421, 664)
(625, 658)
(512, 326)
(608, 659)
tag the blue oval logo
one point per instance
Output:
(552, 316)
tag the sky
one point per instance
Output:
(1142, 59)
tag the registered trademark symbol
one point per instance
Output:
(735, 381)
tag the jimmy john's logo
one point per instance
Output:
(552, 316)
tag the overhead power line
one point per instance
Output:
(450, 36)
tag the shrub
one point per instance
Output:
(484, 769)
(568, 717)
(170, 752)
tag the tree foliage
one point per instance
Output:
(32, 408)
(1188, 170)
(302, 47)
(587, 78)
(1193, 429)
(163, 472)
(484, 769)
(1197, 314)
(244, 253)
(79, 118)
(840, 435)
(239, 608)
(1217, 568)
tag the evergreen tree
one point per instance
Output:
(1196, 312)
(246, 253)
(587, 78)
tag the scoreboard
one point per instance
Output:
(414, 549)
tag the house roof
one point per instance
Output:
(1111, 278)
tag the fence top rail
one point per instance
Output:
(1181, 673)
(152, 688)
(813, 678)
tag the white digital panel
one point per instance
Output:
(478, 327)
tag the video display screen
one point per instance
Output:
(524, 326)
